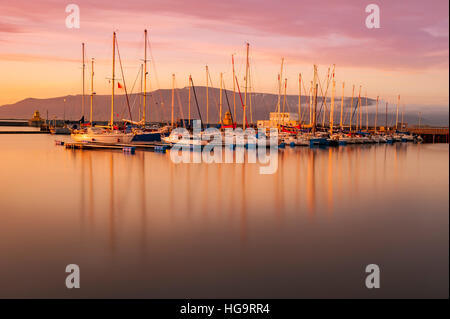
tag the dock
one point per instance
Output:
(127, 148)
(13, 123)
(24, 132)
(431, 134)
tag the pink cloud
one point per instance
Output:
(186, 35)
(410, 30)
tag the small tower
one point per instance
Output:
(36, 120)
(227, 119)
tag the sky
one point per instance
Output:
(408, 55)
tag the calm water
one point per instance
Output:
(141, 226)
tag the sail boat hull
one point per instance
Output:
(150, 135)
(102, 137)
(147, 137)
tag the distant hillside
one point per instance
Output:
(158, 105)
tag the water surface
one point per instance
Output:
(141, 226)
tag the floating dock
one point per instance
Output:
(126, 148)
(24, 132)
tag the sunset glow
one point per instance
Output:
(408, 55)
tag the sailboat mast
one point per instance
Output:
(358, 116)
(310, 102)
(279, 96)
(367, 114)
(234, 88)
(173, 96)
(360, 109)
(250, 97)
(111, 123)
(324, 99)
(207, 96)
(141, 90)
(376, 115)
(299, 98)
(386, 120)
(145, 77)
(315, 87)
(333, 91)
(83, 77)
(396, 118)
(84, 67)
(189, 100)
(351, 108)
(92, 89)
(341, 124)
(284, 98)
(280, 76)
(332, 79)
(315, 107)
(220, 99)
(246, 85)
(403, 110)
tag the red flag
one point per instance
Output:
(119, 85)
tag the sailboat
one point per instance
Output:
(144, 134)
(105, 134)
(175, 137)
(180, 139)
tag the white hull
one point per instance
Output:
(180, 140)
(302, 141)
(102, 136)
(397, 138)
(365, 140)
(348, 140)
(378, 139)
(407, 138)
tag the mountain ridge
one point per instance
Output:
(159, 105)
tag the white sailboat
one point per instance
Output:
(180, 139)
(108, 134)
(142, 132)
(302, 140)
(102, 135)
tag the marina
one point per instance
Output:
(291, 129)
(230, 156)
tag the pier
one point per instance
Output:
(24, 132)
(129, 148)
(13, 123)
(431, 134)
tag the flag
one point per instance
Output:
(119, 85)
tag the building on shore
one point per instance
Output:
(36, 120)
(277, 119)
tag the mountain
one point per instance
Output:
(159, 105)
